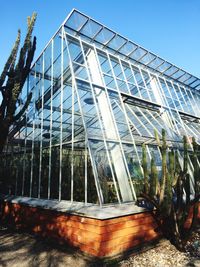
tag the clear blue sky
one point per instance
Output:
(169, 28)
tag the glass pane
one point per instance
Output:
(75, 51)
(79, 172)
(116, 42)
(104, 63)
(104, 36)
(91, 28)
(190, 80)
(177, 74)
(134, 168)
(109, 81)
(128, 48)
(117, 68)
(122, 86)
(80, 71)
(164, 66)
(138, 76)
(104, 171)
(155, 63)
(170, 71)
(148, 58)
(184, 77)
(119, 116)
(76, 21)
(66, 172)
(138, 53)
(96, 138)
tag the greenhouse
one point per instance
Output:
(96, 98)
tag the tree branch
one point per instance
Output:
(21, 112)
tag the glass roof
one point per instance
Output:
(104, 36)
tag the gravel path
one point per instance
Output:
(25, 250)
(165, 255)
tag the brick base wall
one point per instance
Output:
(101, 238)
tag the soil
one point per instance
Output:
(19, 249)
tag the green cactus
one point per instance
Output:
(153, 179)
(164, 166)
(175, 200)
(185, 155)
(171, 169)
(177, 170)
(184, 183)
(196, 166)
(157, 138)
(144, 166)
(12, 80)
(170, 174)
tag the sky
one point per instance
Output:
(168, 28)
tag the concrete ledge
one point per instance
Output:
(78, 208)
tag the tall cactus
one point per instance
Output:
(196, 166)
(172, 165)
(185, 155)
(164, 166)
(144, 166)
(177, 169)
(153, 191)
(173, 202)
(170, 174)
(13, 78)
(195, 157)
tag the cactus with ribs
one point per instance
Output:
(171, 195)
(12, 80)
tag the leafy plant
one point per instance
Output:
(171, 195)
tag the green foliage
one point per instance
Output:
(163, 149)
(195, 159)
(13, 78)
(153, 179)
(144, 166)
(138, 185)
(173, 201)
(169, 182)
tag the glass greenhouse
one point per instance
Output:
(97, 97)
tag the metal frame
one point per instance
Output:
(116, 34)
(83, 131)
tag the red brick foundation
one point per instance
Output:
(101, 238)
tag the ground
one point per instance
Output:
(25, 250)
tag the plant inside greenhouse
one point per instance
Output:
(104, 125)
(174, 195)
